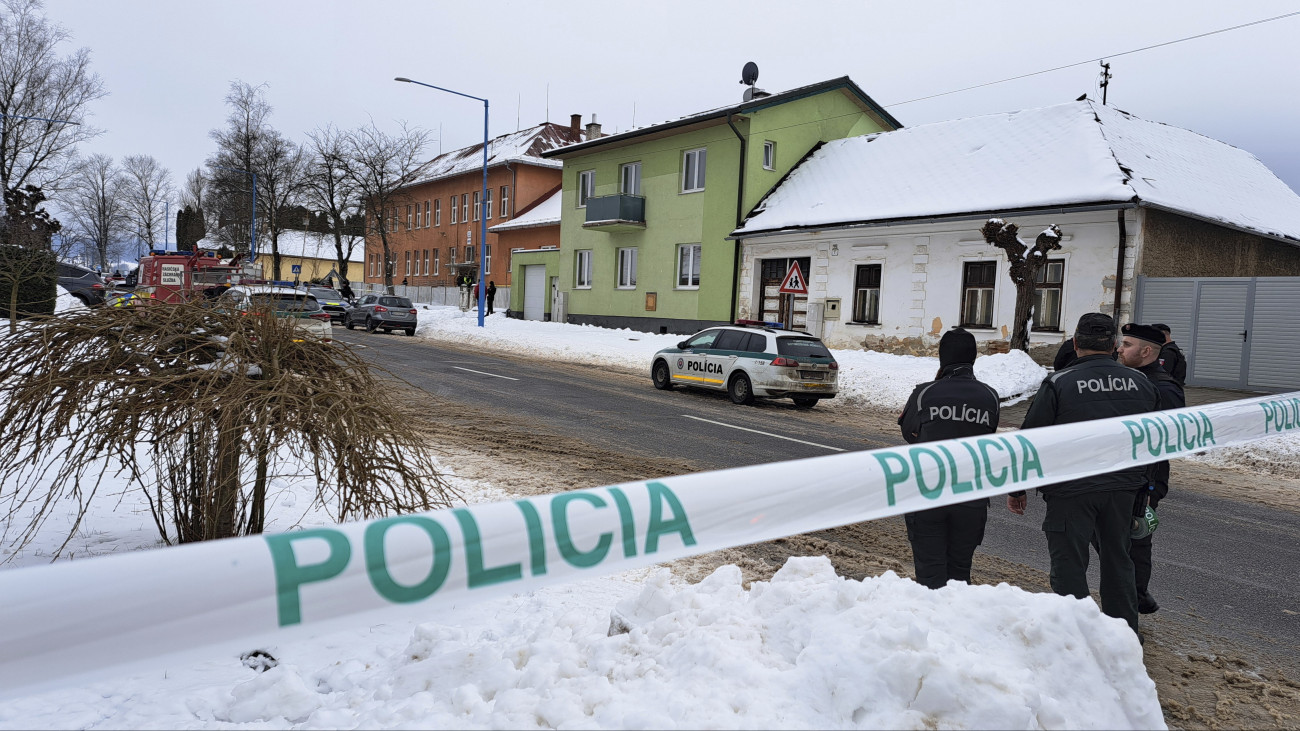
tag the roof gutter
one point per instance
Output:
(932, 219)
(740, 203)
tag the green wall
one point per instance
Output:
(521, 259)
(706, 217)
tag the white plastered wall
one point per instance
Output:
(921, 269)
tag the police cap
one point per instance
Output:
(1095, 324)
(1148, 333)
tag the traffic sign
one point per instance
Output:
(794, 283)
(297, 268)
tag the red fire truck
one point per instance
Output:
(178, 276)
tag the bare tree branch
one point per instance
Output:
(1025, 265)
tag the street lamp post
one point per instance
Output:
(482, 214)
(252, 224)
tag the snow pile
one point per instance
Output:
(866, 377)
(1279, 455)
(807, 650)
(63, 301)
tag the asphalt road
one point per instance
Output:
(1221, 566)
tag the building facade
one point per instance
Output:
(646, 214)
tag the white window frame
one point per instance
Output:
(436, 263)
(626, 261)
(408, 262)
(697, 162)
(453, 209)
(582, 269)
(487, 258)
(437, 212)
(469, 254)
(586, 186)
(451, 260)
(426, 262)
(408, 216)
(769, 155)
(693, 251)
(487, 203)
(623, 170)
(476, 206)
(505, 201)
(464, 208)
(428, 214)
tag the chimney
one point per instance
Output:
(575, 124)
(593, 129)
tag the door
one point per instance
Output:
(1221, 334)
(1275, 334)
(789, 309)
(693, 366)
(535, 292)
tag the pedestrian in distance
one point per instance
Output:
(491, 295)
(1140, 350)
(346, 292)
(1094, 387)
(1171, 356)
(955, 404)
(403, 281)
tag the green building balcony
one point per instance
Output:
(616, 213)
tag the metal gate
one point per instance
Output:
(535, 292)
(1237, 332)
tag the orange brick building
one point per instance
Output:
(435, 233)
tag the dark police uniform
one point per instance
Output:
(1171, 397)
(1174, 362)
(944, 539)
(1094, 387)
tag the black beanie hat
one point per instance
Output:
(1148, 333)
(956, 346)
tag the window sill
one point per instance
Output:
(579, 286)
(862, 324)
(687, 289)
(626, 289)
(695, 190)
(979, 328)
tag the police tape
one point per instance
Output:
(80, 618)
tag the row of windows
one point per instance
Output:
(688, 268)
(978, 282)
(414, 258)
(429, 213)
(693, 169)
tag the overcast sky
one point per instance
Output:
(168, 65)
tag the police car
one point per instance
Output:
(750, 360)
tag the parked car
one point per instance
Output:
(82, 283)
(750, 361)
(283, 301)
(332, 302)
(382, 312)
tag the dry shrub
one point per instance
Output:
(202, 409)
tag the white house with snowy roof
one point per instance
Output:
(1159, 224)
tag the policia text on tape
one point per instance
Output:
(85, 616)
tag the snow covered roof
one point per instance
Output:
(546, 213)
(1079, 153)
(309, 245)
(757, 103)
(525, 146)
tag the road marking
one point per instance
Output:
(766, 434)
(481, 373)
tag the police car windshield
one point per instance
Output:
(285, 302)
(394, 302)
(325, 294)
(802, 347)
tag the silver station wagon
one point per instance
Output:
(750, 361)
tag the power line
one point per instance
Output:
(1094, 60)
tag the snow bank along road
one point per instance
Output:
(1222, 566)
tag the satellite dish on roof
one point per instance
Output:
(749, 74)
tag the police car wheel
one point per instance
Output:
(740, 389)
(370, 325)
(410, 332)
(659, 374)
(805, 402)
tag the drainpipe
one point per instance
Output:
(1119, 264)
(740, 207)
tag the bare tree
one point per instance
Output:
(146, 188)
(229, 168)
(95, 205)
(330, 190)
(280, 165)
(1026, 262)
(37, 85)
(204, 411)
(382, 166)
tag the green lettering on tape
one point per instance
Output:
(536, 537)
(289, 575)
(929, 492)
(480, 575)
(560, 522)
(660, 495)
(625, 517)
(377, 559)
(893, 476)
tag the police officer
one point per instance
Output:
(954, 405)
(1171, 356)
(1141, 349)
(1094, 387)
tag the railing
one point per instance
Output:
(616, 209)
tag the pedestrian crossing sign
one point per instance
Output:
(794, 282)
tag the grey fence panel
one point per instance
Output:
(1275, 334)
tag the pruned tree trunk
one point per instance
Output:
(1026, 262)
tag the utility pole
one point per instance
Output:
(1105, 81)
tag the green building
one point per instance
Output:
(646, 214)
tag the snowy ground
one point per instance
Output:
(808, 649)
